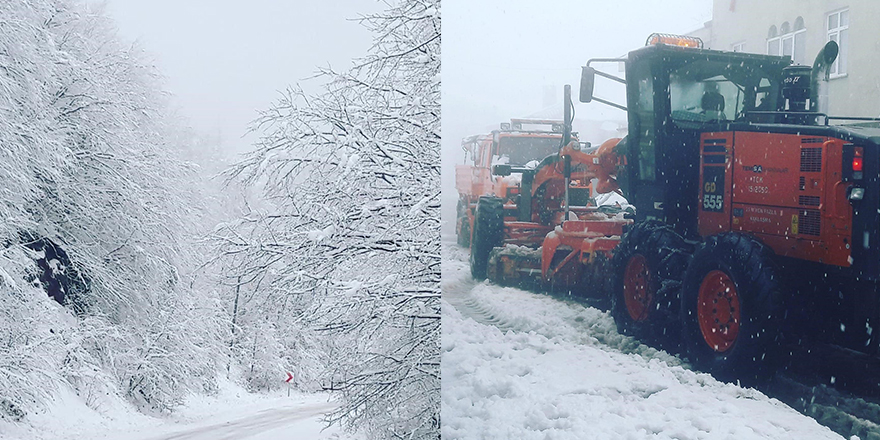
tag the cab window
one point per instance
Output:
(717, 91)
(644, 111)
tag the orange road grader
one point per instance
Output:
(519, 143)
(757, 215)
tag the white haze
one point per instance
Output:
(224, 60)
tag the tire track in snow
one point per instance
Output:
(456, 289)
(472, 308)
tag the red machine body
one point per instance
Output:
(786, 189)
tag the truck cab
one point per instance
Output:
(675, 91)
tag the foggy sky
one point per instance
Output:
(500, 56)
(225, 59)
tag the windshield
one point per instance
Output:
(520, 150)
(711, 91)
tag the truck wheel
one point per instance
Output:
(648, 266)
(463, 230)
(731, 308)
(488, 233)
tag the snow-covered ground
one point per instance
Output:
(527, 366)
(230, 414)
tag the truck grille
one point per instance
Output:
(715, 145)
(809, 222)
(811, 160)
(808, 200)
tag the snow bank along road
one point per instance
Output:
(528, 366)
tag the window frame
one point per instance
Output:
(794, 35)
(835, 69)
(790, 36)
(774, 37)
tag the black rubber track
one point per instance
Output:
(755, 353)
(488, 233)
(666, 257)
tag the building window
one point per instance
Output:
(772, 41)
(799, 42)
(838, 31)
(788, 41)
(739, 47)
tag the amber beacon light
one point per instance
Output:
(674, 40)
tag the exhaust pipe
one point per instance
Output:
(819, 77)
(566, 138)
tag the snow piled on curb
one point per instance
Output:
(561, 371)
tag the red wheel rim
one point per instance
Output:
(718, 311)
(638, 293)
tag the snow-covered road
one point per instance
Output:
(291, 421)
(231, 414)
(522, 365)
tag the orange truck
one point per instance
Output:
(519, 143)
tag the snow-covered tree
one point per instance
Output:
(88, 163)
(347, 242)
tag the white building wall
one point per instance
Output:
(748, 22)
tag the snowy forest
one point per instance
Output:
(138, 265)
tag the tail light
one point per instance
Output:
(853, 162)
(857, 163)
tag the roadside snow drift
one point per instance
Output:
(561, 371)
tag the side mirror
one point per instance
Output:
(501, 170)
(588, 78)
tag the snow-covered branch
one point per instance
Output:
(352, 179)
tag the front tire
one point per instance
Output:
(488, 234)
(648, 267)
(731, 308)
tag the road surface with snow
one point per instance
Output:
(522, 365)
(232, 414)
(292, 420)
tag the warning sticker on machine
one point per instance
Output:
(765, 219)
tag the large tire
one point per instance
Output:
(488, 233)
(731, 308)
(462, 225)
(648, 266)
